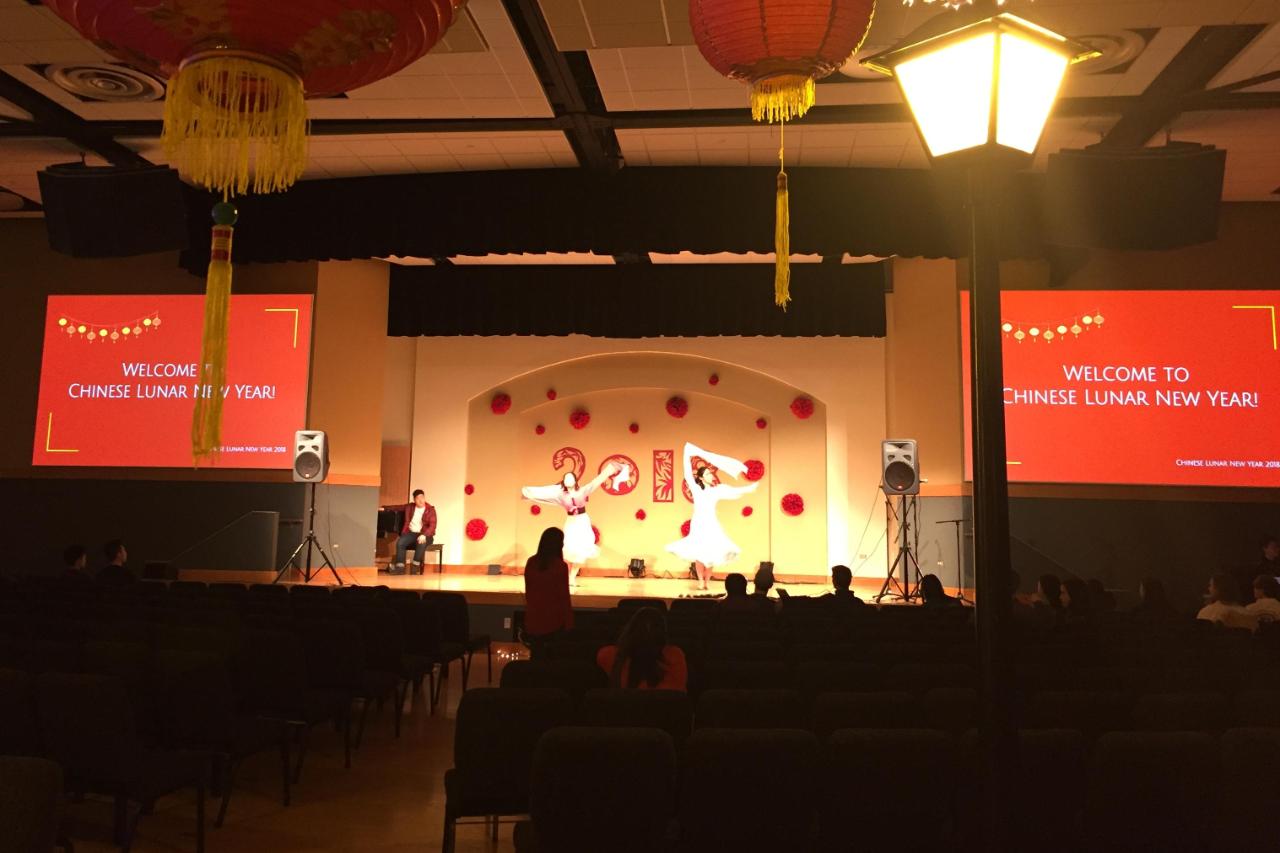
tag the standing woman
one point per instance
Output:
(547, 610)
(568, 495)
(707, 546)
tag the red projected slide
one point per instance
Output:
(1151, 387)
(119, 378)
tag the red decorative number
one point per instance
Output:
(626, 486)
(663, 476)
(573, 456)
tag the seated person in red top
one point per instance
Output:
(419, 531)
(642, 658)
(547, 609)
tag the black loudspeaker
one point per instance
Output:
(899, 467)
(310, 456)
(1146, 198)
(636, 568)
(111, 212)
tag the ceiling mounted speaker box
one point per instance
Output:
(1145, 198)
(112, 212)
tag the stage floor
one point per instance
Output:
(591, 592)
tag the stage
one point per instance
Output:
(593, 591)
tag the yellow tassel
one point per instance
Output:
(781, 98)
(782, 246)
(206, 417)
(236, 122)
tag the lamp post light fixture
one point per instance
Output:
(981, 86)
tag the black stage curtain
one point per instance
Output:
(883, 212)
(636, 300)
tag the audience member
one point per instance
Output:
(1077, 608)
(933, 595)
(1103, 601)
(115, 571)
(1224, 605)
(76, 560)
(642, 658)
(1266, 599)
(842, 597)
(1015, 585)
(548, 612)
(1046, 603)
(736, 599)
(1268, 564)
(763, 582)
(1153, 604)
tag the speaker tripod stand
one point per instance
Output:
(310, 542)
(898, 578)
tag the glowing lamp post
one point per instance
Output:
(980, 92)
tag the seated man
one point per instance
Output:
(763, 582)
(419, 531)
(841, 596)
(76, 560)
(115, 570)
(736, 599)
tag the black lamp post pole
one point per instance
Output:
(990, 503)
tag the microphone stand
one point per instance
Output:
(959, 558)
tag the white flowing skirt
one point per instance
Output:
(706, 544)
(579, 540)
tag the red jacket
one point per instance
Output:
(428, 519)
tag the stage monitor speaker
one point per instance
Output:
(112, 212)
(900, 467)
(310, 456)
(636, 568)
(1144, 198)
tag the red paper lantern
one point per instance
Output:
(755, 469)
(746, 511)
(684, 529)
(476, 529)
(635, 428)
(779, 47)
(792, 504)
(713, 379)
(579, 419)
(469, 489)
(641, 515)
(551, 393)
(677, 407)
(539, 429)
(534, 509)
(761, 423)
(500, 404)
(802, 408)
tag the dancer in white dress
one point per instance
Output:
(707, 546)
(568, 495)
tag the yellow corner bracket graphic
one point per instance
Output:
(48, 440)
(1272, 310)
(294, 312)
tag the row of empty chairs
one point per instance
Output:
(609, 773)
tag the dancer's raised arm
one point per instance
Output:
(548, 495)
(610, 470)
(736, 491)
(723, 463)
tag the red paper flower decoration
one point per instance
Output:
(713, 379)
(500, 404)
(792, 504)
(684, 529)
(579, 419)
(755, 469)
(677, 407)
(596, 531)
(469, 489)
(761, 423)
(539, 429)
(641, 515)
(802, 408)
(476, 529)
(746, 511)
(551, 393)
(635, 428)
(535, 510)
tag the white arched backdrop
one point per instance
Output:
(830, 459)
